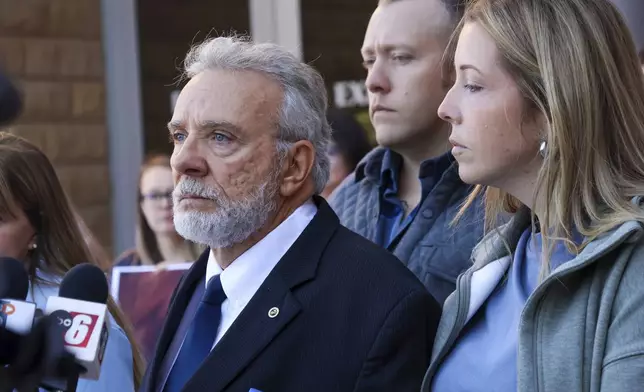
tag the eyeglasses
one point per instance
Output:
(157, 196)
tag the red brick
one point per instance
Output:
(35, 134)
(88, 100)
(72, 58)
(87, 185)
(46, 100)
(12, 55)
(99, 220)
(41, 58)
(29, 17)
(53, 49)
(67, 144)
(81, 59)
(78, 144)
(75, 18)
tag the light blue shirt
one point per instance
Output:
(484, 358)
(117, 368)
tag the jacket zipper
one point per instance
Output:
(462, 304)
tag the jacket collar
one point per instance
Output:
(502, 242)
(371, 165)
(493, 255)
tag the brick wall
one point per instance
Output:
(53, 49)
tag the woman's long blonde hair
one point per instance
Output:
(29, 183)
(574, 62)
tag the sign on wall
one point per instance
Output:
(350, 94)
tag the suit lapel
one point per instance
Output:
(253, 330)
(175, 314)
(272, 308)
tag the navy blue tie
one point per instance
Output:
(200, 337)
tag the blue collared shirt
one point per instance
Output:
(392, 223)
(117, 368)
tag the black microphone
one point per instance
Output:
(28, 352)
(14, 281)
(14, 284)
(10, 101)
(10, 343)
(25, 360)
(81, 310)
(16, 314)
(85, 282)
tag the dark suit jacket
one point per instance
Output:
(351, 317)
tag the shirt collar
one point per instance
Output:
(436, 166)
(390, 170)
(243, 277)
(392, 164)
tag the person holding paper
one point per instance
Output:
(285, 298)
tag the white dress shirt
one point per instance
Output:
(245, 275)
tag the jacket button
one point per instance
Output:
(428, 214)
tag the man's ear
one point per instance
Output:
(297, 167)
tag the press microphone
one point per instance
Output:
(26, 359)
(10, 101)
(81, 310)
(10, 343)
(16, 314)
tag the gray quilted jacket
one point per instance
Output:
(431, 248)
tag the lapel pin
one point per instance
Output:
(273, 312)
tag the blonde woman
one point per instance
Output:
(547, 114)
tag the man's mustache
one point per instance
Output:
(191, 187)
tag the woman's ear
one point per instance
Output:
(33, 243)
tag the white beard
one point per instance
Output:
(232, 222)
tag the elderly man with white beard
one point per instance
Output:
(284, 298)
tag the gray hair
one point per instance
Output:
(303, 112)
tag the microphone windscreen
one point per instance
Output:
(14, 281)
(85, 282)
(10, 343)
(10, 100)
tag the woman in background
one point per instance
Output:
(547, 120)
(156, 239)
(348, 146)
(38, 227)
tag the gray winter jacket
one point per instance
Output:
(582, 329)
(434, 250)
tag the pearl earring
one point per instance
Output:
(543, 149)
(33, 246)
